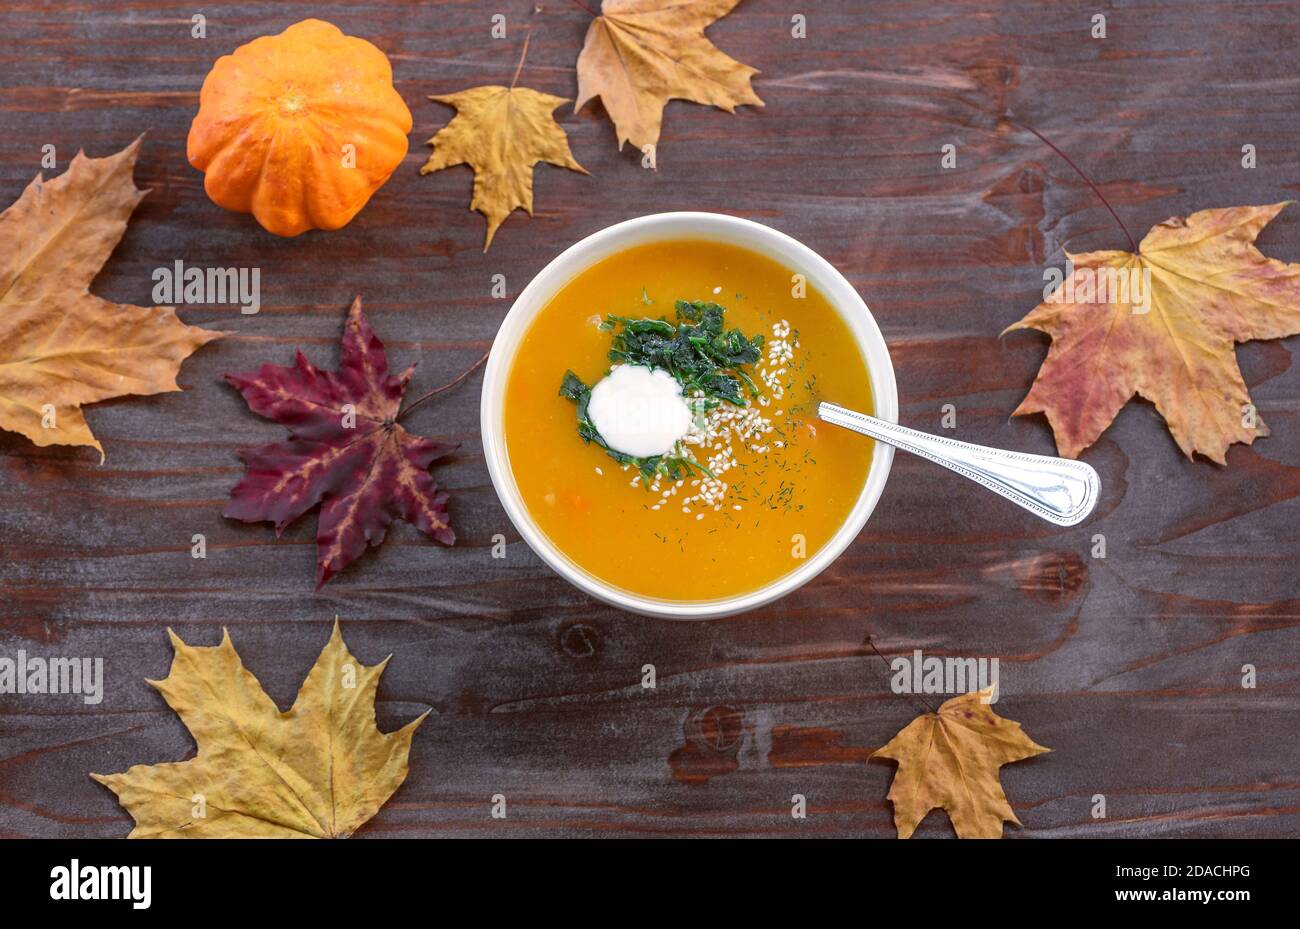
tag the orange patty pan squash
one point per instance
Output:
(299, 128)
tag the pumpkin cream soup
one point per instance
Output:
(660, 420)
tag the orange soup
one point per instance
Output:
(782, 482)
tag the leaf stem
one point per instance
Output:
(528, 36)
(460, 378)
(1087, 180)
(585, 7)
(926, 703)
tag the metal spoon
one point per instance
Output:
(1060, 490)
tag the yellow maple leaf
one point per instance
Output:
(319, 770)
(1161, 323)
(949, 760)
(501, 132)
(639, 54)
(60, 346)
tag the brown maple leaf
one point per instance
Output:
(60, 346)
(639, 54)
(346, 452)
(1161, 323)
(501, 132)
(949, 760)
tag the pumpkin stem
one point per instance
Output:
(1132, 245)
(447, 386)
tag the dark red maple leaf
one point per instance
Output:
(346, 452)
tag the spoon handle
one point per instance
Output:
(1060, 490)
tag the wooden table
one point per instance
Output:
(1128, 667)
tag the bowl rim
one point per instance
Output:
(745, 233)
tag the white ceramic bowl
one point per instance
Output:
(729, 229)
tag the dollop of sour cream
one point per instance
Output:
(639, 411)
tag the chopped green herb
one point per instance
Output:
(697, 350)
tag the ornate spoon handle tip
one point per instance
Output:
(1060, 490)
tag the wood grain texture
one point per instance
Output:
(1129, 668)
